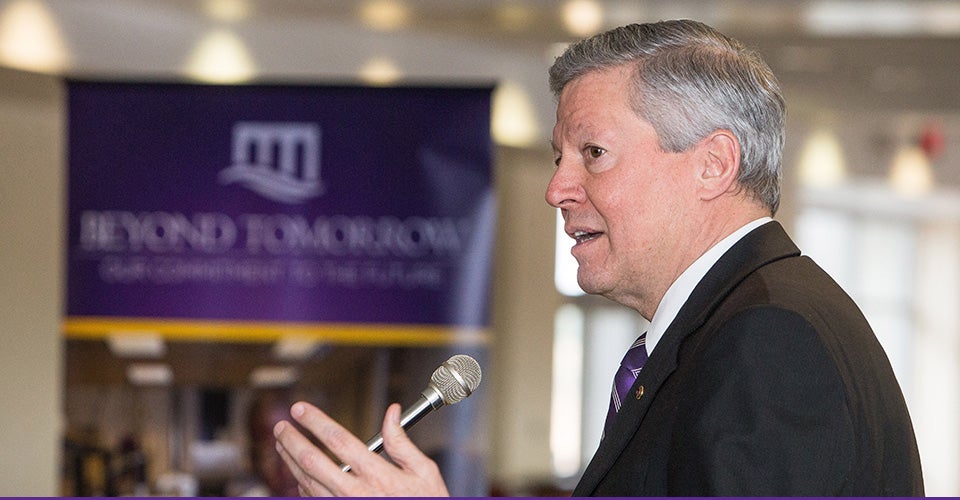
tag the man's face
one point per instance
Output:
(623, 199)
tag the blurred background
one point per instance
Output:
(872, 170)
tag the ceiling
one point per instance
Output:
(895, 53)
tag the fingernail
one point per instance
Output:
(297, 410)
(277, 429)
(395, 416)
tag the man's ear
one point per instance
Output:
(719, 164)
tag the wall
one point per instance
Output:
(31, 270)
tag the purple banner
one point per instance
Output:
(280, 203)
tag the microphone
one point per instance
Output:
(451, 382)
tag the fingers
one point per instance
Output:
(341, 442)
(411, 474)
(409, 458)
(396, 442)
(316, 473)
(307, 485)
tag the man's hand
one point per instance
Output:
(412, 474)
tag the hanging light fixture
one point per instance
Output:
(30, 38)
(220, 57)
(582, 17)
(910, 172)
(822, 162)
(514, 121)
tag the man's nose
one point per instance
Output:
(564, 187)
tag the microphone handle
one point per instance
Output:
(430, 400)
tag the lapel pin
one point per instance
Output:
(639, 392)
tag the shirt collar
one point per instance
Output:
(680, 290)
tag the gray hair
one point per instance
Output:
(692, 80)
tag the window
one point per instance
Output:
(899, 258)
(590, 336)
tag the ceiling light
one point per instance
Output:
(385, 15)
(878, 18)
(30, 38)
(910, 172)
(942, 18)
(220, 57)
(514, 122)
(228, 11)
(136, 344)
(149, 374)
(294, 348)
(514, 17)
(380, 71)
(821, 162)
(582, 17)
(273, 376)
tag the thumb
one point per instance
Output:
(398, 445)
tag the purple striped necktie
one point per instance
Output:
(626, 375)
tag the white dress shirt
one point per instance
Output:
(680, 290)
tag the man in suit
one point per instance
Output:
(761, 377)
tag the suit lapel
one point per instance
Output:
(763, 245)
(654, 372)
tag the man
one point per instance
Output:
(762, 377)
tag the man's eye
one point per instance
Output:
(595, 151)
(556, 161)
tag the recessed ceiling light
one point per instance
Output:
(380, 71)
(822, 162)
(273, 376)
(136, 344)
(30, 38)
(888, 18)
(220, 57)
(514, 122)
(294, 348)
(514, 17)
(228, 11)
(582, 17)
(149, 374)
(910, 172)
(385, 15)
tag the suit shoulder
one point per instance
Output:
(765, 335)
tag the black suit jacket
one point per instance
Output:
(769, 382)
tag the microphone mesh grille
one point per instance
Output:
(456, 378)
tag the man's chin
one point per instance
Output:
(589, 285)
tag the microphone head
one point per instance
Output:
(456, 378)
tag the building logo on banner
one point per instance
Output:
(278, 160)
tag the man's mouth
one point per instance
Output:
(584, 236)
